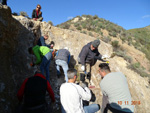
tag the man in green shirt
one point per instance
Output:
(43, 56)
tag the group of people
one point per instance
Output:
(113, 85)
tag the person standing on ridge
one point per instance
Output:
(37, 14)
(62, 59)
(43, 56)
(116, 93)
(87, 58)
(72, 95)
(33, 92)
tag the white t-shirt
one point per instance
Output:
(71, 96)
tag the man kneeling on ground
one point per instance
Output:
(72, 95)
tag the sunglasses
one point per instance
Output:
(38, 7)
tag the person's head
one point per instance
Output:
(72, 75)
(30, 50)
(38, 7)
(52, 44)
(95, 44)
(45, 37)
(104, 69)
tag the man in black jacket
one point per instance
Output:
(87, 58)
(37, 14)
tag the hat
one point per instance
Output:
(96, 43)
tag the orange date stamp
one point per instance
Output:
(131, 103)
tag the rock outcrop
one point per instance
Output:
(17, 33)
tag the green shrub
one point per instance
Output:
(79, 28)
(22, 13)
(124, 55)
(90, 34)
(123, 39)
(138, 69)
(84, 32)
(83, 25)
(114, 34)
(66, 26)
(50, 22)
(101, 33)
(76, 24)
(115, 44)
(107, 39)
(95, 17)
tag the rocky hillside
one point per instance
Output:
(106, 31)
(17, 33)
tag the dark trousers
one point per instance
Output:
(45, 108)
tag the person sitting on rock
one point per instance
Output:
(116, 94)
(37, 14)
(43, 56)
(72, 95)
(87, 58)
(33, 92)
(62, 59)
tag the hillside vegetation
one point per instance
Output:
(115, 35)
(94, 26)
(142, 39)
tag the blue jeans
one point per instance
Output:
(87, 109)
(44, 67)
(64, 65)
(91, 108)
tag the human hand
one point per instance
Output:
(83, 68)
(105, 57)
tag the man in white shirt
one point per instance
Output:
(116, 94)
(72, 95)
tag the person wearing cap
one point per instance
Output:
(43, 57)
(33, 93)
(62, 59)
(116, 93)
(72, 95)
(37, 14)
(87, 58)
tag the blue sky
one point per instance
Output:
(129, 14)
